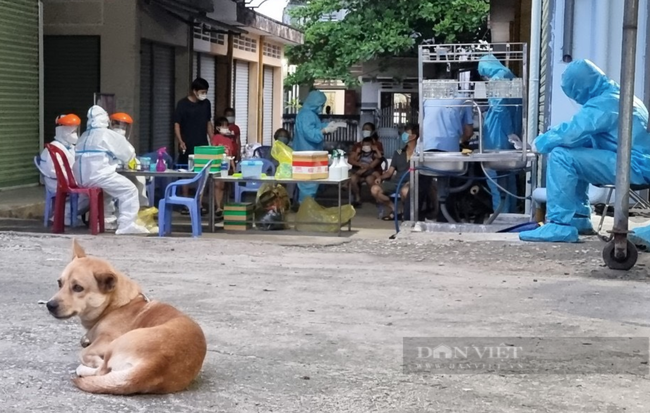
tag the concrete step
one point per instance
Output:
(23, 203)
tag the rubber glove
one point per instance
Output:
(515, 140)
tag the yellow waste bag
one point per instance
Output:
(147, 218)
(312, 217)
(284, 155)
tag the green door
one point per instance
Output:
(19, 91)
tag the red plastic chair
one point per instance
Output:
(68, 186)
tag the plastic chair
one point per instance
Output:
(50, 196)
(67, 186)
(252, 186)
(193, 204)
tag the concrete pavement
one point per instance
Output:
(316, 324)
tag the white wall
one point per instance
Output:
(598, 34)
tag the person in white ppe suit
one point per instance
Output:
(122, 123)
(65, 138)
(99, 152)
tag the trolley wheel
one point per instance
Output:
(613, 263)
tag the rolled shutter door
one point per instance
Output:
(208, 73)
(145, 141)
(163, 97)
(267, 116)
(241, 99)
(195, 66)
(19, 92)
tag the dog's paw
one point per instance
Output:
(83, 371)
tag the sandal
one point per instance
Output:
(389, 217)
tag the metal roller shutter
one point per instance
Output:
(163, 97)
(195, 66)
(146, 81)
(267, 116)
(208, 72)
(241, 98)
(19, 91)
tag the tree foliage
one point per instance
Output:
(376, 28)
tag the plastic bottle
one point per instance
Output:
(160, 164)
(334, 168)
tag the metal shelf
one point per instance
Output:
(471, 52)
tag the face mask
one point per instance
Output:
(201, 96)
(283, 139)
(231, 119)
(73, 138)
(405, 137)
(366, 149)
(224, 131)
(367, 133)
(120, 131)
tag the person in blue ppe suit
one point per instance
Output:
(503, 122)
(583, 151)
(309, 134)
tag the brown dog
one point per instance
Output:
(131, 345)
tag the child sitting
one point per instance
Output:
(226, 138)
(366, 165)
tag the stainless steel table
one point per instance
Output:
(338, 183)
(170, 173)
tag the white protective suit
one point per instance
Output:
(65, 138)
(99, 152)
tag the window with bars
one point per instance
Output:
(206, 32)
(272, 50)
(245, 43)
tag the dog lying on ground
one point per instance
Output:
(131, 345)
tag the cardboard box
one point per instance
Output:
(205, 154)
(238, 217)
(310, 165)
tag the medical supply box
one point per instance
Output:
(238, 216)
(310, 165)
(205, 154)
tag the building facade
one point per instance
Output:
(146, 53)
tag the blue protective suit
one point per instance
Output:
(503, 118)
(308, 134)
(583, 151)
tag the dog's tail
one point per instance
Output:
(115, 382)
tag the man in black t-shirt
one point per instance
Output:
(193, 122)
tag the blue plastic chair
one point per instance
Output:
(193, 204)
(267, 167)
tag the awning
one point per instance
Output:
(194, 11)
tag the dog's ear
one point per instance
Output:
(77, 251)
(106, 281)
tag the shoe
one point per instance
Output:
(132, 229)
(185, 211)
(110, 225)
(551, 233)
(640, 237)
(583, 225)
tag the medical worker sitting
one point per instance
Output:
(309, 134)
(503, 122)
(583, 151)
(122, 123)
(99, 152)
(65, 138)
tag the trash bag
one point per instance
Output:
(271, 205)
(284, 155)
(312, 217)
(146, 218)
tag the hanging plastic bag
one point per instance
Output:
(284, 155)
(312, 217)
(146, 218)
(271, 205)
